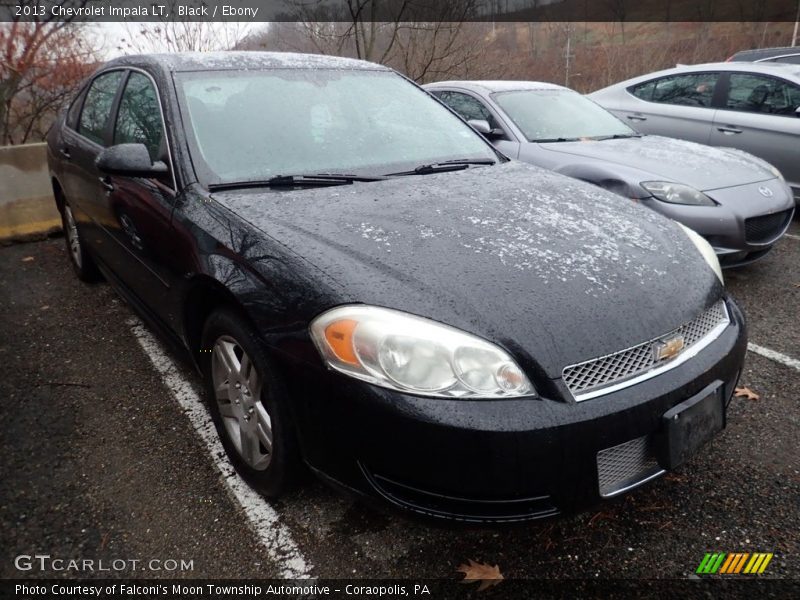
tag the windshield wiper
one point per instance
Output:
(318, 180)
(616, 136)
(558, 139)
(458, 164)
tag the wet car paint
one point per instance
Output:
(554, 270)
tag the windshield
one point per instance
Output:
(559, 115)
(254, 125)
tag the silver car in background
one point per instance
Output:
(738, 202)
(751, 106)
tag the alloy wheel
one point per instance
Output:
(73, 240)
(238, 391)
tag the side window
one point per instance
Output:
(694, 89)
(467, 106)
(644, 91)
(139, 116)
(97, 106)
(762, 94)
(75, 109)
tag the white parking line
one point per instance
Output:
(776, 356)
(264, 520)
(789, 235)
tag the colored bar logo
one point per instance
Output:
(734, 563)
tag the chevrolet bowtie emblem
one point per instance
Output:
(668, 347)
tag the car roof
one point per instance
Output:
(777, 69)
(496, 85)
(241, 60)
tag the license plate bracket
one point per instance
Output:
(688, 426)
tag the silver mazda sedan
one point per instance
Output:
(751, 106)
(738, 202)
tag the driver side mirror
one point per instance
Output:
(797, 112)
(130, 160)
(482, 127)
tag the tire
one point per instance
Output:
(82, 263)
(249, 404)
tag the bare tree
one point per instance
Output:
(41, 65)
(424, 40)
(186, 35)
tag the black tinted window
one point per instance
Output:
(762, 94)
(74, 110)
(695, 89)
(643, 90)
(97, 107)
(468, 107)
(792, 59)
(139, 116)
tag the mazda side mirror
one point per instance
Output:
(130, 160)
(482, 127)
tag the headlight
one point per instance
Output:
(777, 173)
(677, 193)
(705, 249)
(403, 352)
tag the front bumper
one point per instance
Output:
(492, 460)
(744, 226)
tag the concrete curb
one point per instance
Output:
(27, 208)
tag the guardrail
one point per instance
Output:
(27, 208)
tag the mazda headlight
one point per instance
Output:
(705, 249)
(774, 170)
(677, 193)
(411, 354)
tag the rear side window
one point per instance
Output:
(762, 94)
(792, 59)
(694, 89)
(139, 116)
(97, 106)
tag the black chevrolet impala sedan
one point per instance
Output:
(370, 289)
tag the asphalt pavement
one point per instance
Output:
(100, 460)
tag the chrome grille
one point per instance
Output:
(764, 229)
(587, 379)
(625, 466)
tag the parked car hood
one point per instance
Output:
(703, 167)
(547, 266)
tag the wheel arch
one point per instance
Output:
(601, 177)
(203, 296)
(58, 193)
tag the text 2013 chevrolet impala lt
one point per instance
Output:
(369, 288)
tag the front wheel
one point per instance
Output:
(248, 404)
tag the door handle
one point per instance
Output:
(729, 130)
(636, 118)
(64, 151)
(106, 183)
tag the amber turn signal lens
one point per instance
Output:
(339, 336)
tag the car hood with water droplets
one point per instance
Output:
(667, 159)
(553, 269)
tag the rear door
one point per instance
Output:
(680, 106)
(759, 115)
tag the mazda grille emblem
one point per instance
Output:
(765, 191)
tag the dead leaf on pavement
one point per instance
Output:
(27, 259)
(746, 392)
(474, 571)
